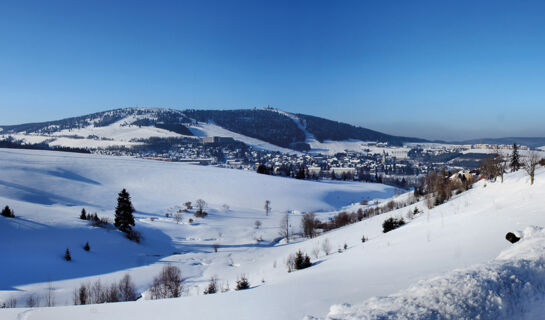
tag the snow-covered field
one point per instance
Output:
(398, 275)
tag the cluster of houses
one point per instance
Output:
(375, 162)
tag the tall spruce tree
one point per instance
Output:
(515, 159)
(123, 212)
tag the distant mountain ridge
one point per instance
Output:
(275, 127)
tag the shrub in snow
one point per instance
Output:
(363, 239)
(212, 286)
(95, 221)
(168, 284)
(124, 218)
(257, 224)
(8, 212)
(242, 283)
(200, 214)
(391, 224)
(301, 261)
(188, 205)
(134, 235)
(326, 246)
(87, 247)
(67, 255)
(97, 292)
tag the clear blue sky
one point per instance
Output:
(437, 69)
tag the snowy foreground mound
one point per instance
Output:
(510, 287)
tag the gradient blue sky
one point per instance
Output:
(434, 69)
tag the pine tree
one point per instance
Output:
(87, 247)
(67, 255)
(515, 160)
(8, 213)
(123, 212)
(83, 215)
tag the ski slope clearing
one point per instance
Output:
(212, 130)
(461, 241)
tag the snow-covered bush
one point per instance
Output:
(242, 283)
(212, 286)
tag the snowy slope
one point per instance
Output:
(511, 286)
(467, 233)
(328, 147)
(119, 133)
(213, 130)
(48, 189)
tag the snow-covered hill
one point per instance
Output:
(266, 129)
(457, 249)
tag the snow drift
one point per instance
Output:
(506, 288)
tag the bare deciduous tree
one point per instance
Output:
(267, 207)
(326, 246)
(127, 290)
(309, 224)
(168, 284)
(530, 165)
(32, 301)
(285, 228)
(501, 165)
(50, 296)
(10, 303)
(177, 217)
(201, 205)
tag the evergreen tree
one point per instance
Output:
(123, 212)
(515, 160)
(83, 215)
(301, 261)
(67, 255)
(8, 213)
(87, 247)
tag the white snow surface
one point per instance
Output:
(510, 287)
(448, 262)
